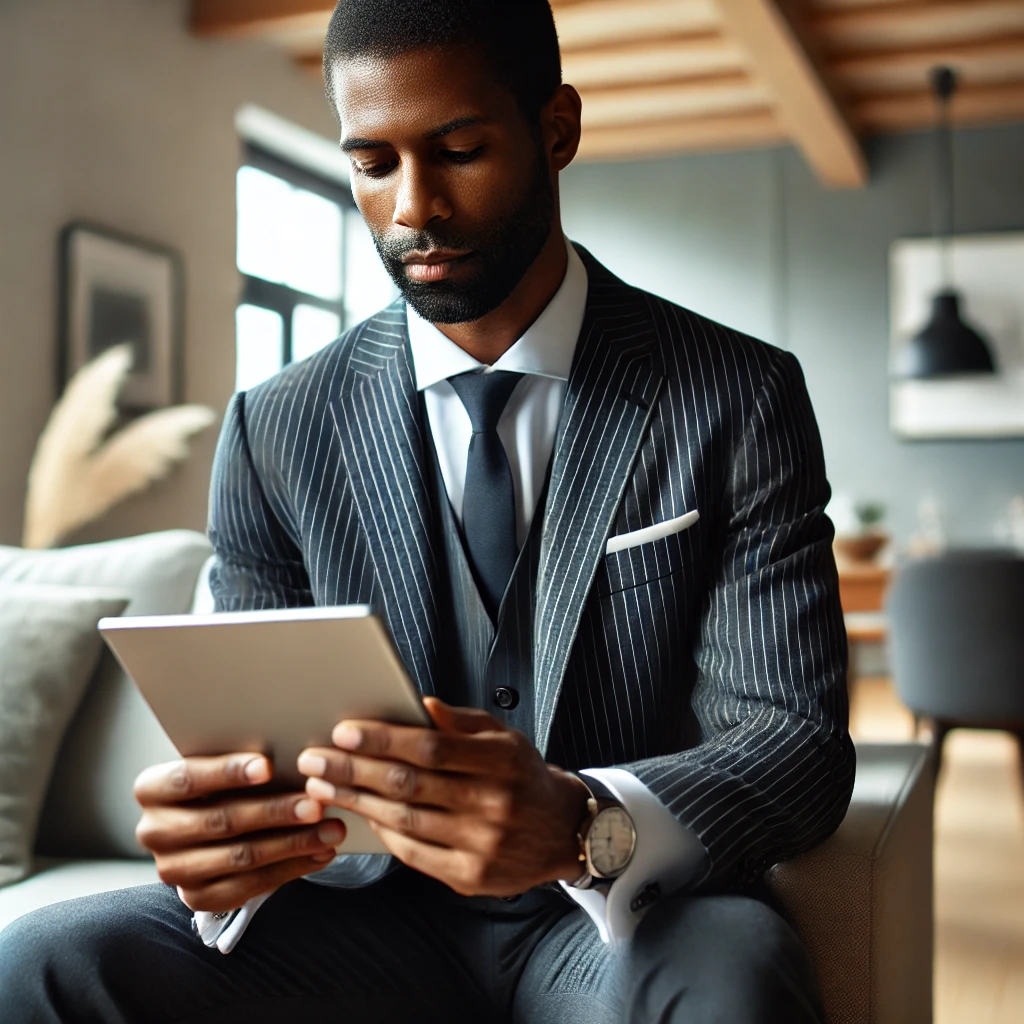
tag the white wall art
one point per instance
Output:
(988, 272)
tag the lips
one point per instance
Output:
(436, 265)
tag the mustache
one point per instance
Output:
(394, 249)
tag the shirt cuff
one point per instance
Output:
(667, 857)
(223, 933)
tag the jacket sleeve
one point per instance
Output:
(258, 564)
(773, 772)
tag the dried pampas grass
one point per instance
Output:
(78, 473)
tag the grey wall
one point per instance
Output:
(110, 111)
(752, 240)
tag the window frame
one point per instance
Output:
(280, 298)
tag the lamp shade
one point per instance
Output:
(946, 346)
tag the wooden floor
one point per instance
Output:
(979, 864)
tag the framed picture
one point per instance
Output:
(117, 289)
(987, 271)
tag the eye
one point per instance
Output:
(376, 170)
(461, 156)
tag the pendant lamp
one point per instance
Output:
(945, 346)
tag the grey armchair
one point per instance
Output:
(956, 625)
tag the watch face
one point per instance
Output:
(610, 842)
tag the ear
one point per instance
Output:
(561, 125)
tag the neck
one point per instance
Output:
(489, 337)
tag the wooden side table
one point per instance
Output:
(862, 589)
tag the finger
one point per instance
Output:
(327, 770)
(457, 831)
(461, 871)
(231, 892)
(486, 753)
(194, 777)
(182, 827)
(464, 720)
(199, 866)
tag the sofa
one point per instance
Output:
(861, 901)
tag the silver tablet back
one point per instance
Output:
(270, 681)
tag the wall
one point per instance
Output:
(110, 111)
(752, 240)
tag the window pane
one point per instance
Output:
(312, 329)
(264, 212)
(288, 235)
(259, 345)
(368, 288)
(314, 248)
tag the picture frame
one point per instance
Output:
(987, 270)
(116, 288)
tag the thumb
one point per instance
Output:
(464, 720)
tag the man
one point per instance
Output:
(594, 523)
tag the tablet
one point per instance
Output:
(269, 681)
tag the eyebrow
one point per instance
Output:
(349, 145)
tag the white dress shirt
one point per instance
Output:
(666, 853)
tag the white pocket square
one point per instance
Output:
(630, 540)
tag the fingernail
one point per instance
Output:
(257, 770)
(320, 790)
(348, 737)
(330, 833)
(307, 810)
(312, 764)
(324, 858)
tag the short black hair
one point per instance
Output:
(517, 37)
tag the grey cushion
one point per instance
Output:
(48, 650)
(53, 880)
(89, 809)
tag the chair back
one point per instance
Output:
(956, 627)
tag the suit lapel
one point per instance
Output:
(376, 414)
(612, 390)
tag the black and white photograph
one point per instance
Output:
(115, 290)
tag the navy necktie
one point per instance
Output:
(488, 502)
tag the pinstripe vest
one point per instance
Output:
(476, 658)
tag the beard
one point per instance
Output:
(502, 252)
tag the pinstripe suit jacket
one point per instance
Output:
(710, 663)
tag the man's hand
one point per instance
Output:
(221, 847)
(470, 803)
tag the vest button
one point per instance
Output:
(506, 698)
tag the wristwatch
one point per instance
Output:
(607, 838)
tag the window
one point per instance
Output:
(308, 264)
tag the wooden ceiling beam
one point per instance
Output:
(803, 103)
(670, 60)
(258, 17)
(980, 105)
(725, 94)
(985, 63)
(915, 24)
(585, 24)
(653, 61)
(641, 141)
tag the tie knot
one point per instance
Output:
(485, 396)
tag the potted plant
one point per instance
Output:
(864, 545)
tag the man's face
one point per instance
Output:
(450, 177)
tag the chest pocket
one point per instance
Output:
(644, 563)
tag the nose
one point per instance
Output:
(420, 201)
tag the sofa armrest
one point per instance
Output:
(862, 900)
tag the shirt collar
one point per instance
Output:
(546, 349)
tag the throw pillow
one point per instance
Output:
(49, 647)
(90, 810)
